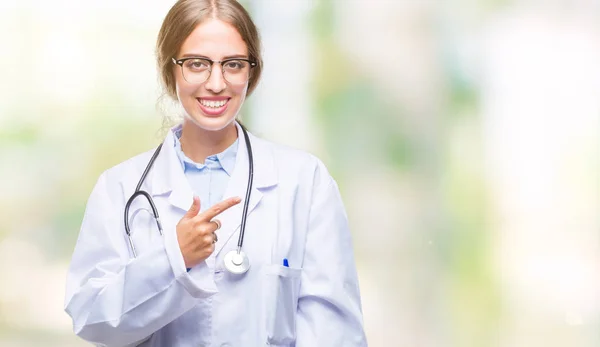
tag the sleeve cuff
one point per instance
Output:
(198, 281)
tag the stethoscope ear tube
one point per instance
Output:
(154, 210)
(148, 167)
(137, 193)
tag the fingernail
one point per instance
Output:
(238, 199)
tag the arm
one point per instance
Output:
(117, 301)
(329, 308)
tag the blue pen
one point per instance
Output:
(285, 262)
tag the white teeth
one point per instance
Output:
(213, 104)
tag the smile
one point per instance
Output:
(213, 103)
(213, 107)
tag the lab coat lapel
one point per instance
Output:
(169, 176)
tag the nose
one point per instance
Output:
(216, 81)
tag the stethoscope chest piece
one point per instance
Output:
(236, 262)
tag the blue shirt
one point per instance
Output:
(208, 180)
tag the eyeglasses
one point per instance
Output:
(197, 70)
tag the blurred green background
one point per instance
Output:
(463, 134)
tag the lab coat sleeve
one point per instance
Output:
(329, 308)
(115, 300)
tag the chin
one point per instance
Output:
(210, 123)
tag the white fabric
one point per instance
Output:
(295, 212)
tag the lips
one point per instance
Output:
(213, 106)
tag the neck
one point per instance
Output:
(198, 143)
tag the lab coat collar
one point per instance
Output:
(168, 177)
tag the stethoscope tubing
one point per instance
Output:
(139, 192)
(248, 190)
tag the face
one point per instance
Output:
(213, 104)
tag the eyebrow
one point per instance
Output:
(194, 55)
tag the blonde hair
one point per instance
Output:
(184, 17)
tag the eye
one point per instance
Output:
(235, 65)
(196, 64)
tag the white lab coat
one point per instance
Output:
(295, 212)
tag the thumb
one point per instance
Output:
(194, 209)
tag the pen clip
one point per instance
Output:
(285, 262)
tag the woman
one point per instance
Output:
(293, 280)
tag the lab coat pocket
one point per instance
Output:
(282, 286)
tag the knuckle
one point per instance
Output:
(204, 229)
(201, 227)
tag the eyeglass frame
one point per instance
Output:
(212, 62)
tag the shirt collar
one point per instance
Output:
(225, 160)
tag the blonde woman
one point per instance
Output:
(216, 237)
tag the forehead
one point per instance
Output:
(214, 39)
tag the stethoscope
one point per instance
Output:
(235, 261)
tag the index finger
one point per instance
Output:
(218, 208)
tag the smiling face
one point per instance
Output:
(214, 103)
